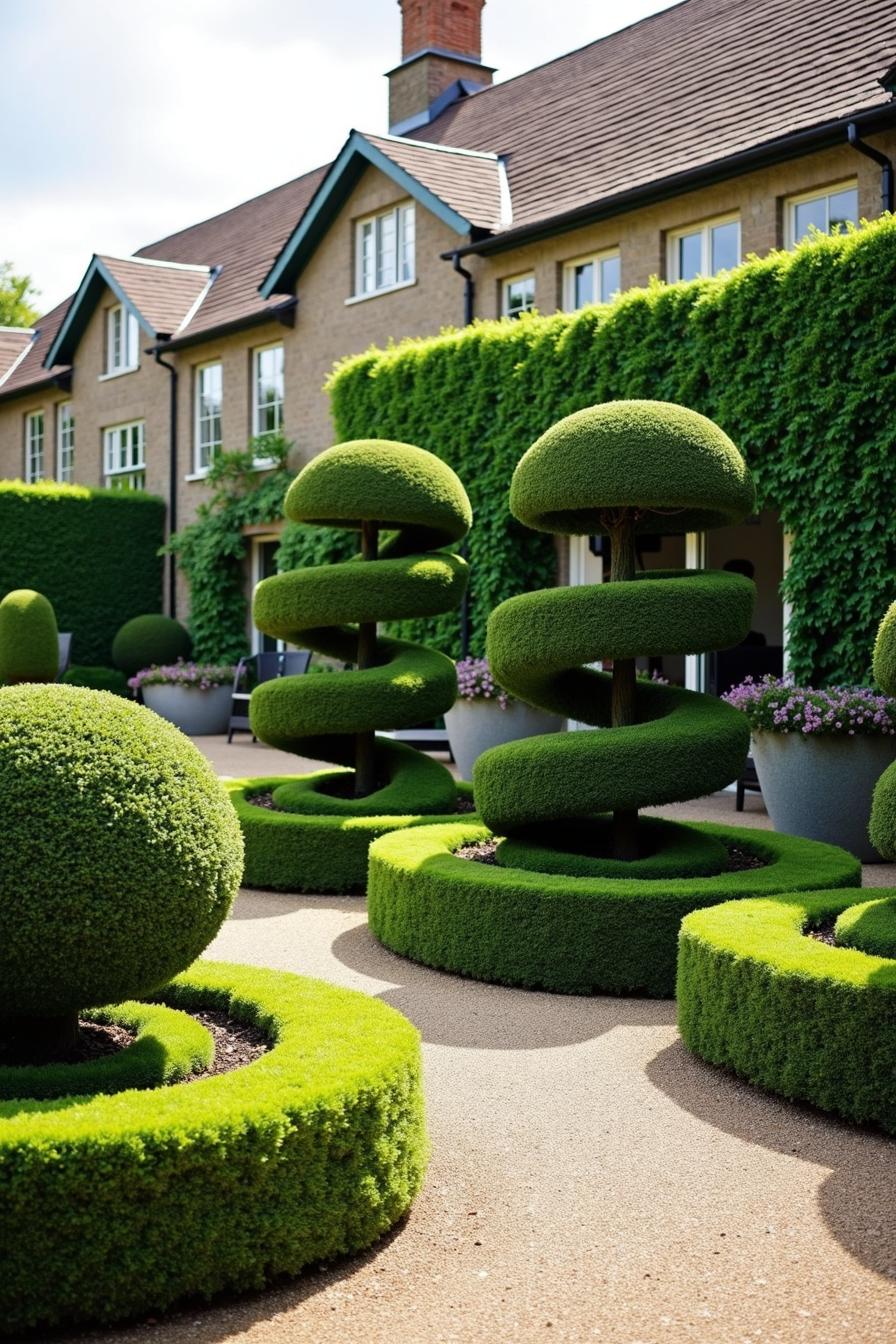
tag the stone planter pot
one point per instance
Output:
(821, 787)
(475, 725)
(196, 713)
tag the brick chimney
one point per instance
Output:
(441, 60)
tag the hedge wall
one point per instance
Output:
(93, 553)
(791, 354)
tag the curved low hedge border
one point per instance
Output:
(294, 851)
(795, 1015)
(169, 1046)
(118, 1205)
(574, 935)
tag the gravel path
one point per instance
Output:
(590, 1180)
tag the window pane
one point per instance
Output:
(583, 284)
(807, 214)
(132, 356)
(843, 209)
(386, 240)
(406, 259)
(690, 258)
(519, 296)
(610, 278)
(724, 247)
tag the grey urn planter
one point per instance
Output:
(475, 725)
(821, 787)
(195, 712)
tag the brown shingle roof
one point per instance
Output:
(468, 180)
(165, 293)
(30, 372)
(689, 86)
(14, 341)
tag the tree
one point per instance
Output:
(16, 295)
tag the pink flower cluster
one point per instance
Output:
(201, 675)
(775, 705)
(475, 682)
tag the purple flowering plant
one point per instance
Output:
(475, 682)
(201, 675)
(775, 705)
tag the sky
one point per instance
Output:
(124, 122)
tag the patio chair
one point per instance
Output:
(65, 654)
(262, 667)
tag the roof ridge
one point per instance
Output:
(429, 144)
(26, 331)
(157, 261)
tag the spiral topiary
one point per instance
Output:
(582, 895)
(29, 638)
(317, 836)
(150, 641)
(882, 828)
(119, 856)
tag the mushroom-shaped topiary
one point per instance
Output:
(316, 837)
(882, 828)
(581, 894)
(149, 641)
(29, 639)
(119, 856)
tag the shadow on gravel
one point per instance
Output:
(449, 1010)
(254, 904)
(857, 1200)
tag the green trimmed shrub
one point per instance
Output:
(97, 679)
(150, 641)
(791, 1013)
(93, 553)
(119, 857)
(882, 827)
(119, 1205)
(870, 927)
(372, 487)
(29, 638)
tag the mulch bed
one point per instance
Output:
(483, 851)
(824, 933)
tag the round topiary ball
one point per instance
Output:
(885, 652)
(120, 852)
(29, 638)
(150, 641)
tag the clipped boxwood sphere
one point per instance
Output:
(120, 853)
(148, 641)
(677, 466)
(29, 639)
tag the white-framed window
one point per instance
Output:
(124, 456)
(704, 249)
(829, 210)
(517, 295)
(593, 279)
(65, 442)
(267, 390)
(207, 438)
(122, 341)
(34, 446)
(384, 250)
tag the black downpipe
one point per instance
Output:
(886, 166)
(172, 476)
(469, 288)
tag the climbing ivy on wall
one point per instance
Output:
(791, 354)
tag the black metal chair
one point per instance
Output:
(729, 668)
(65, 653)
(251, 672)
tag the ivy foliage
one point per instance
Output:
(790, 354)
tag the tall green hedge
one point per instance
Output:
(791, 354)
(93, 553)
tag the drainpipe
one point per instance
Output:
(469, 287)
(172, 474)
(886, 166)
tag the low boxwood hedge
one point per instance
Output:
(294, 851)
(576, 935)
(121, 1204)
(794, 1014)
(97, 679)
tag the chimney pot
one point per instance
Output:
(441, 43)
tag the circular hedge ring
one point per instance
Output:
(115, 1205)
(793, 1014)
(575, 935)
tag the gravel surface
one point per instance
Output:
(590, 1180)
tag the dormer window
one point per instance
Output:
(122, 341)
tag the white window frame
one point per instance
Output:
(257, 431)
(593, 259)
(505, 294)
(704, 228)
(65, 442)
(122, 342)
(367, 282)
(129, 475)
(816, 194)
(34, 447)
(214, 446)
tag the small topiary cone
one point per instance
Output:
(29, 638)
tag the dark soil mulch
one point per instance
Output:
(483, 851)
(739, 860)
(264, 800)
(97, 1039)
(824, 933)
